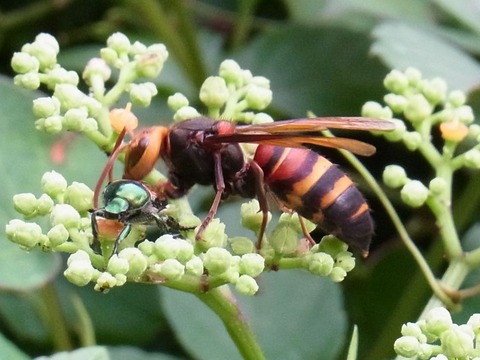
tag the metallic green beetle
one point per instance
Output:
(131, 202)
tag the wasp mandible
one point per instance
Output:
(207, 152)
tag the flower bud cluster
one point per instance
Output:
(437, 337)
(69, 108)
(234, 94)
(66, 207)
(421, 100)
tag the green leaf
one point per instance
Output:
(88, 353)
(10, 351)
(324, 70)
(131, 353)
(400, 46)
(295, 316)
(466, 12)
(23, 160)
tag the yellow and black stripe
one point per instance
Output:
(318, 190)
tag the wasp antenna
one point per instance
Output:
(107, 170)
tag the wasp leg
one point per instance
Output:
(220, 188)
(262, 200)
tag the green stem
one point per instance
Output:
(180, 42)
(221, 301)
(243, 22)
(52, 312)
(397, 222)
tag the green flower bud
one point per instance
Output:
(214, 92)
(121, 279)
(231, 72)
(74, 119)
(80, 270)
(60, 75)
(141, 94)
(45, 107)
(110, 56)
(412, 329)
(398, 133)
(29, 81)
(474, 323)
(474, 131)
(53, 184)
(44, 205)
(375, 110)
(261, 118)
(283, 239)
(396, 102)
(185, 251)
(330, 245)
(465, 114)
(407, 346)
(246, 285)
(51, 125)
(58, 235)
(137, 263)
(185, 113)
(456, 98)
(43, 51)
(166, 247)
(25, 204)
(247, 77)
(257, 97)
(412, 140)
(217, 260)
(418, 108)
(177, 101)
(146, 247)
(23, 63)
(251, 215)
(80, 196)
(437, 321)
(117, 265)
(171, 269)
(194, 266)
(96, 67)
(425, 351)
(150, 63)
(241, 245)
(214, 235)
(394, 176)
(25, 234)
(90, 125)
(138, 48)
(119, 42)
(252, 264)
(396, 82)
(345, 260)
(413, 75)
(457, 341)
(437, 186)
(105, 282)
(69, 96)
(338, 274)
(439, 357)
(320, 264)
(65, 214)
(435, 90)
(414, 193)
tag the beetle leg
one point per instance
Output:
(123, 234)
(95, 242)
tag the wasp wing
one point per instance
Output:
(318, 124)
(299, 141)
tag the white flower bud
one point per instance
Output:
(214, 92)
(252, 264)
(46, 106)
(246, 285)
(53, 183)
(414, 193)
(137, 262)
(65, 214)
(396, 82)
(80, 270)
(394, 176)
(25, 234)
(321, 264)
(23, 63)
(119, 42)
(177, 101)
(217, 260)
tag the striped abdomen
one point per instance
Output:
(318, 190)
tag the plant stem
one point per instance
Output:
(220, 301)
